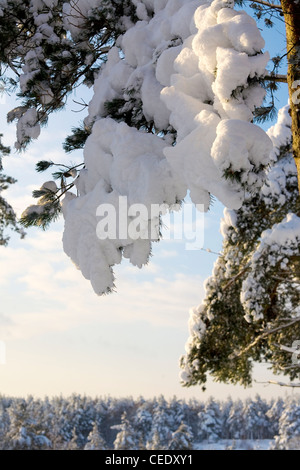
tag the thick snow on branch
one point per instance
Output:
(280, 133)
(212, 96)
(181, 68)
(277, 246)
(121, 162)
(260, 253)
(27, 126)
(281, 242)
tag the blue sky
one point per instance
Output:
(60, 338)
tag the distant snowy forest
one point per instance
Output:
(83, 423)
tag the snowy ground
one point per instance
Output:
(247, 444)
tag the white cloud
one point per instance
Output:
(51, 295)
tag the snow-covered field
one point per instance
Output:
(239, 444)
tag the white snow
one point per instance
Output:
(211, 84)
(280, 133)
(276, 246)
(119, 162)
(186, 66)
(277, 243)
(50, 185)
(27, 126)
(235, 444)
(241, 146)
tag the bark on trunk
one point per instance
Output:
(291, 11)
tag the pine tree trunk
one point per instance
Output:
(291, 11)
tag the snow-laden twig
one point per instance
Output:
(267, 4)
(281, 384)
(276, 78)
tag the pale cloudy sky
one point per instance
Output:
(60, 337)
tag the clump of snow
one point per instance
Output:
(109, 84)
(27, 127)
(197, 328)
(76, 12)
(120, 162)
(241, 147)
(211, 97)
(31, 67)
(146, 63)
(229, 219)
(280, 133)
(50, 186)
(233, 96)
(280, 181)
(33, 209)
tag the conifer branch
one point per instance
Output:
(237, 276)
(281, 384)
(265, 334)
(276, 78)
(267, 4)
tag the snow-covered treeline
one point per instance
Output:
(80, 422)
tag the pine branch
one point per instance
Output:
(263, 336)
(267, 4)
(43, 165)
(276, 78)
(286, 348)
(208, 250)
(281, 384)
(64, 191)
(237, 276)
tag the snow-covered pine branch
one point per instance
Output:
(252, 298)
(179, 81)
(281, 384)
(188, 72)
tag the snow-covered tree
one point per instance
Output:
(154, 443)
(143, 423)
(273, 414)
(255, 419)
(126, 437)
(182, 438)
(288, 437)
(235, 421)
(210, 421)
(4, 423)
(161, 426)
(26, 432)
(251, 307)
(226, 408)
(95, 441)
(72, 444)
(177, 411)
